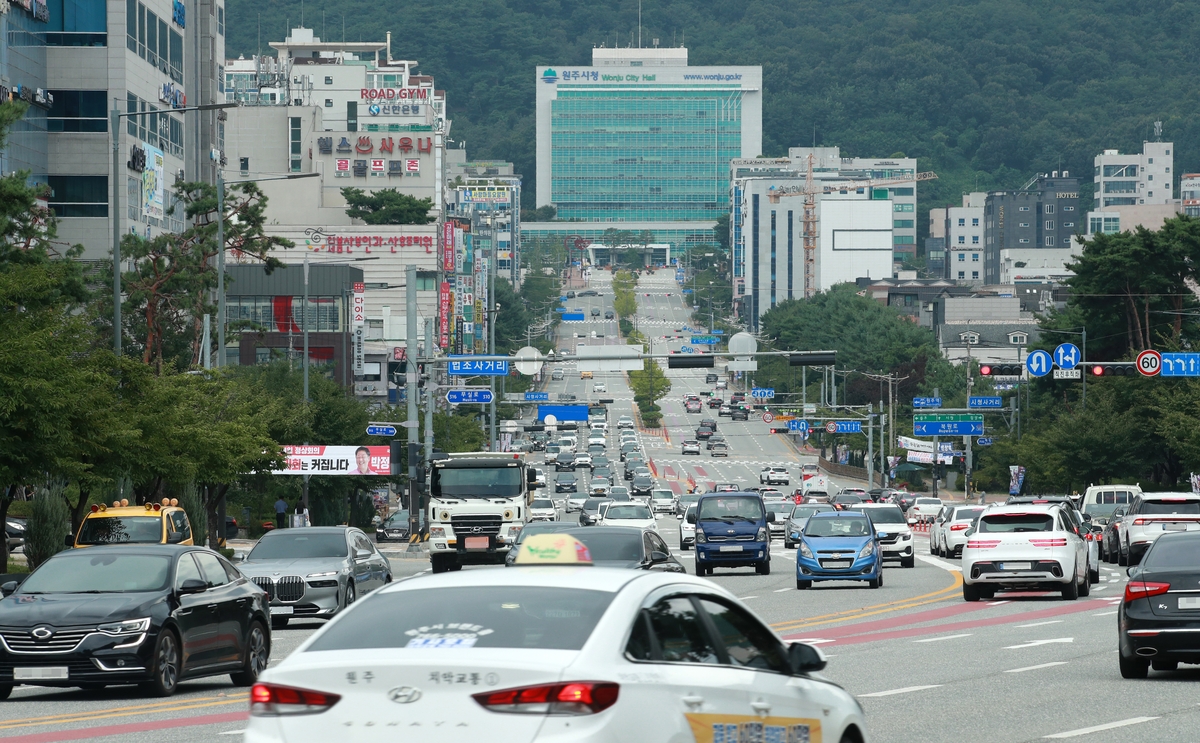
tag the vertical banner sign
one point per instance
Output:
(444, 315)
(448, 247)
(458, 335)
(460, 255)
(359, 310)
(1016, 479)
(152, 183)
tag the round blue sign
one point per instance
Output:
(1067, 356)
(1038, 363)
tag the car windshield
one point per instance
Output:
(528, 617)
(966, 514)
(663, 494)
(1007, 523)
(96, 571)
(731, 509)
(121, 530)
(477, 482)
(397, 520)
(1173, 552)
(1179, 506)
(543, 503)
(848, 526)
(291, 544)
(620, 544)
(889, 515)
(803, 512)
(627, 512)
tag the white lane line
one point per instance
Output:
(782, 590)
(998, 603)
(1104, 614)
(945, 637)
(1040, 624)
(1037, 667)
(1035, 643)
(233, 732)
(939, 563)
(746, 598)
(1100, 588)
(905, 690)
(1099, 728)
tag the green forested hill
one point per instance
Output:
(985, 92)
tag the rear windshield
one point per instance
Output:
(543, 504)
(1173, 552)
(850, 526)
(966, 514)
(476, 616)
(290, 545)
(1007, 523)
(121, 530)
(803, 512)
(627, 512)
(622, 545)
(928, 501)
(731, 509)
(1167, 506)
(890, 515)
(848, 499)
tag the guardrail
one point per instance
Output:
(844, 470)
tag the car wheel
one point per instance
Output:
(1094, 575)
(788, 545)
(439, 563)
(258, 652)
(875, 582)
(970, 592)
(1085, 588)
(1070, 592)
(1134, 668)
(279, 622)
(763, 568)
(350, 595)
(5, 691)
(803, 585)
(908, 562)
(164, 669)
(1122, 560)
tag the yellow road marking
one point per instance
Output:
(841, 616)
(102, 714)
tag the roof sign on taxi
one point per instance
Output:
(553, 549)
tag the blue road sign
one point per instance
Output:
(945, 447)
(767, 393)
(1180, 365)
(1067, 356)
(985, 402)
(927, 402)
(845, 427)
(687, 291)
(458, 397)
(381, 430)
(563, 412)
(477, 368)
(984, 441)
(1038, 363)
(573, 317)
(949, 428)
(718, 332)
(796, 424)
(704, 340)
(560, 309)
(686, 349)
(536, 396)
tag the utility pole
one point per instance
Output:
(429, 354)
(870, 445)
(221, 359)
(411, 379)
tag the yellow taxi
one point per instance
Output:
(121, 523)
(585, 375)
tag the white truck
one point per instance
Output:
(478, 503)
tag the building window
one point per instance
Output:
(295, 143)
(962, 222)
(903, 207)
(974, 239)
(78, 23)
(329, 80)
(328, 103)
(1150, 161)
(904, 240)
(1068, 208)
(220, 20)
(974, 274)
(962, 257)
(1018, 339)
(972, 338)
(974, 221)
(1049, 242)
(1049, 209)
(1049, 224)
(1068, 224)
(902, 192)
(77, 111)
(974, 257)
(427, 281)
(1023, 240)
(1022, 208)
(244, 165)
(1120, 171)
(1024, 224)
(351, 116)
(903, 223)
(79, 195)
(962, 239)
(962, 274)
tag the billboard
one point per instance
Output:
(152, 183)
(336, 460)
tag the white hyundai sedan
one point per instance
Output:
(1027, 548)
(550, 653)
(627, 514)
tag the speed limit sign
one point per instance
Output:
(768, 417)
(1149, 363)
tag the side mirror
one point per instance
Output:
(912, 522)
(362, 555)
(691, 518)
(70, 540)
(805, 658)
(969, 532)
(770, 515)
(175, 537)
(8, 588)
(1129, 570)
(1086, 516)
(657, 557)
(193, 585)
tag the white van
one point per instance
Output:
(1099, 501)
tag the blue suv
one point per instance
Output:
(732, 531)
(839, 545)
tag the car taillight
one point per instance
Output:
(572, 698)
(982, 544)
(1140, 522)
(1059, 542)
(272, 700)
(1136, 589)
(959, 527)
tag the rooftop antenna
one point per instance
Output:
(301, 13)
(1158, 131)
(323, 23)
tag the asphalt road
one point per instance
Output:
(926, 666)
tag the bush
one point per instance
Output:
(49, 522)
(189, 500)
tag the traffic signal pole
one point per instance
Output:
(410, 384)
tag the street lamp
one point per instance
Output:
(114, 125)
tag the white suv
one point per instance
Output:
(662, 500)
(1025, 548)
(691, 447)
(774, 476)
(1150, 516)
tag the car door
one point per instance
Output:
(364, 573)
(376, 561)
(196, 617)
(223, 598)
(655, 543)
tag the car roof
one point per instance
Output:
(131, 511)
(836, 514)
(135, 549)
(1171, 496)
(1017, 508)
(273, 534)
(610, 580)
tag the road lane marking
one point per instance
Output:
(746, 598)
(782, 590)
(1036, 643)
(905, 690)
(106, 714)
(1039, 624)
(1099, 728)
(1037, 667)
(932, 597)
(147, 707)
(998, 603)
(939, 563)
(939, 639)
(1104, 614)
(233, 732)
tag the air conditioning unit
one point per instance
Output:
(297, 101)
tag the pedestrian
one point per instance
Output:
(281, 508)
(300, 518)
(982, 496)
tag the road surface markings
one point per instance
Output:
(939, 563)
(1039, 624)
(1035, 643)
(233, 732)
(1099, 588)
(998, 603)
(905, 690)
(932, 597)
(782, 590)
(746, 598)
(1105, 614)
(939, 639)
(1037, 667)
(1099, 728)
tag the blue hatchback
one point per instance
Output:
(839, 545)
(732, 531)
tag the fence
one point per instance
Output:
(845, 470)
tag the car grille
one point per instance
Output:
(62, 641)
(890, 538)
(737, 538)
(289, 588)
(267, 585)
(475, 526)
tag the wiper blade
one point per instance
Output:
(717, 518)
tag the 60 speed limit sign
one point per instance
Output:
(1149, 363)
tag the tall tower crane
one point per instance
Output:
(809, 191)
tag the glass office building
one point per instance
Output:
(640, 136)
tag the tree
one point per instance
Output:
(387, 206)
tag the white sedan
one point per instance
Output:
(543, 509)
(625, 421)
(691, 447)
(1025, 548)
(627, 514)
(550, 653)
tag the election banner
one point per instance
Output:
(1016, 479)
(336, 460)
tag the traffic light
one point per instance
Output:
(398, 372)
(1000, 370)
(691, 361)
(1113, 369)
(812, 358)
(421, 376)
(397, 455)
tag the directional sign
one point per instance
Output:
(927, 402)
(1180, 365)
(536, 396)
(843, 427)
(458, 397)
(704, 340)
(687, 291)
(768, 417)
(381, 430)
(949, 428)
(798, 425)
(477, 368)
(1038, 363)
(1067, 356)
(984, 441)
(1149, 363)
(985, 402)
(948, 418)
(767, 393)
(573, 317)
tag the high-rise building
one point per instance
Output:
(1143, 178)
(963, 228)
(25, 27)
(1042, 214)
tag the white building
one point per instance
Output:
(1189, 194)
(1127, 180)
(963, 229)
(1038, 264)
(855, 239)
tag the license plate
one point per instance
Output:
(1174, 527)
(39, 674)
(476, 543)
(282, 610)
(1015, 566)
(731, 548)
(836, 564)
(1189, 602)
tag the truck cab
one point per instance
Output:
(478, 503)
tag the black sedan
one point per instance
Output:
(566, 482)
(1159, 619)
(628, 547)
(395, 527)
(132, 614)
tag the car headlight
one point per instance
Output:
(437, 531)
(867, 550)
(762, 534)
(905, 537)
(700, 538)
(326, 574)
(805, 551)
(127, 627)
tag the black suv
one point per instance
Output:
(642, 485)
(739, 414)
(566, 483)
(704, 432)
(564, 462)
